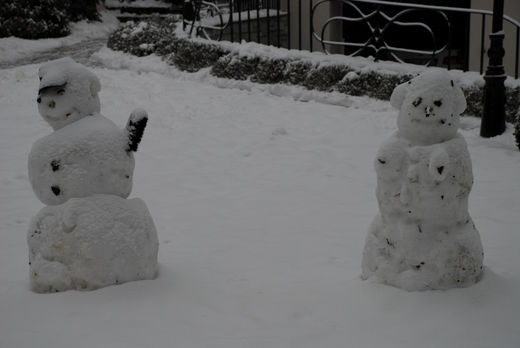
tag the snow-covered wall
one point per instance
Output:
(268, 64)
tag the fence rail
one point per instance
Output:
(288, 23)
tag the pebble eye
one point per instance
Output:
(39, 100)
(56, 190)
(438, 103)
(417, 102)
(61, 91)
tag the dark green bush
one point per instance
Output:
(373, 84)
(35, 19)
(517, 130)
(324, 78)
(233, 67)
(270, 71)
(143, 38)
(193, 56)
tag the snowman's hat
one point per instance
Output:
(59, 72)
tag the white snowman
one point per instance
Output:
(424, 237)
(90, 235)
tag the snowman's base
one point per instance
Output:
(433, 259)
(92, 242)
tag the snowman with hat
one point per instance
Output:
(89, 235)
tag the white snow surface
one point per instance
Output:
(261, 203)
(91, 242)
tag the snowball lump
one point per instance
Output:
(429, 107)
(92, 242)
(423, 237)
(68, 91)
(86, 157)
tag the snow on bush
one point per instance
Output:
(424, 237)
(144, 38)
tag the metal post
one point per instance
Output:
(231, 9)
(493, 118)
(289, 24)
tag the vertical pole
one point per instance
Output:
(278, 23)
(289, 24)
(450, 39)
(268, 24)
(249, 20)
(258, 27)
(310, 25)
(239, 9)
(300, 25)
(482, 49)
(517, 51)
(231, 20)
(493, 118)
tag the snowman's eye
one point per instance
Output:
(417, 102)
(438, 103)
(61, 91)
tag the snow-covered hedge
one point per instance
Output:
(263, 64)
(35, 19)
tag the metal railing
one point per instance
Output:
(378, 21)
(260, 21)
(237, 20)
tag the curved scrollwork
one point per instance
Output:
(379, 24)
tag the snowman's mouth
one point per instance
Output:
(61, 117)
(54, 118)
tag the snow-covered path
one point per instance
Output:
(262, 204)
(80, 52)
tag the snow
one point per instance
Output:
(261, 203)
(13, 49)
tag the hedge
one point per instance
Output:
(35, 19)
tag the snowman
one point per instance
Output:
(89, 235)
(424, 238)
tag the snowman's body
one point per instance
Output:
(424, 237)
(89, 236)
(91, 242)
(83, 158)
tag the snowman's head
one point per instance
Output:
(68, 91)
(429, 107)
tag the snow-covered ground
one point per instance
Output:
(13, 49)
(262, 197)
